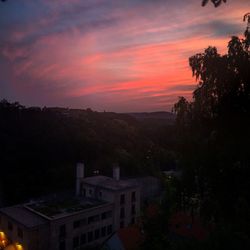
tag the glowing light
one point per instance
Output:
(3, 240)
(2, 235)
(19, 246)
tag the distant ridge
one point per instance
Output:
(164, 116)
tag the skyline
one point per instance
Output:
(108, 55)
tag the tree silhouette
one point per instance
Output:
(214, 130)
(216, 3)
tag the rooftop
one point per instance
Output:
(54, 209)
(108, 182)
(39, 212)
(23, 216)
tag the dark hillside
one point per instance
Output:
(42, 146)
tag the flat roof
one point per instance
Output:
(55, 209)
(23, 216)
(108, 182)
(39, 212)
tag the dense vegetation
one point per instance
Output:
(40, 147)
(214, 131)
(212, 139)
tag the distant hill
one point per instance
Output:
(163, 116)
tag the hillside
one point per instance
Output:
(45, 143)
(159, 116)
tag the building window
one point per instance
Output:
(103, 231)
(100, 194)
(84, 192)
(75, 242)
(97, 234)
(90, 191)
(90, 236)
(122, 224)
(122, 199)
(133, 197)
(133, 209)
(83, 239)
(76, 224)
(93, 219)
(109, 229)
(19, 232)
(62, 231)
(106, 215)
(62, 245)
(83, 222)
(133, 220)
(10, 226)
(122, 212)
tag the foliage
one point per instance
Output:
(216, 3)
(214, 131)
(156, 228)
(45, 144)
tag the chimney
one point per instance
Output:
(116, 172)
(79, 176)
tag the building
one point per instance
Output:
(101, 206)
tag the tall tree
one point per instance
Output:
(216, 125)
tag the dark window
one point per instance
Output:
(19, 232)
(133, 209)
(93, 219)
(122, 224)
(83, 222)
(122, 199)
(106, 215)
(133, 220)
(90, 191)
(90, 236)
(62, 245)
(81, 188)
(103, 231)
(62, 231)
(109, 229)
(84, 192)
(97, 234)
(75, 242)
(122, 212)
(109, 214)
(10, 226)
(90, 220)
(76, 224)
(133, 196)
(83, 239)
(100, 194)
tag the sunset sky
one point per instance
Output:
(113, 55)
